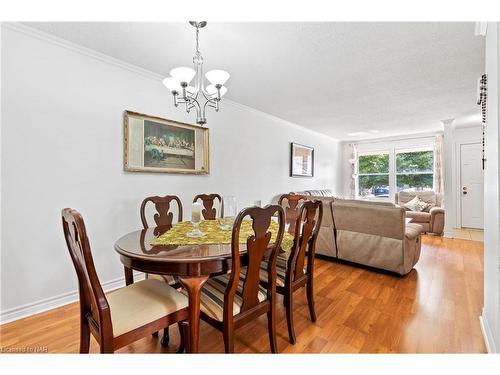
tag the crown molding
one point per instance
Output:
(277, 119)
(46, 37)
(38, 34)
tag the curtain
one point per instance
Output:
(438, 164)
(353, 161)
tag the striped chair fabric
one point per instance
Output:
(281, 265)
(212, 295)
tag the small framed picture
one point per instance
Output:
(301, 161)
(154, 144)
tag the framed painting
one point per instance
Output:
(301, 161)
(154, 144)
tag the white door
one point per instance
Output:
(471, 188)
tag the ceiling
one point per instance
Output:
(350, 80)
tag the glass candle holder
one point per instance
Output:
(227, 213)
(196, 221)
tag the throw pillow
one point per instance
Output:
(416, 204)
(428, 208)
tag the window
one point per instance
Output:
(385, 168)
(373, 175)
(414, 170)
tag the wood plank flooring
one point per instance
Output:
(434, 309)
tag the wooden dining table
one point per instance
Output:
(192, 263)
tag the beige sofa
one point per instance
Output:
(431, 221)
(370, 233)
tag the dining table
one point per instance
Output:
(142, 250)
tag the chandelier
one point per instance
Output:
(197, 95)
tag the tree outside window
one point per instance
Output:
(373, 175)
(415, 170)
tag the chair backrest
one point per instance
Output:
(307, 226)
(163, 217)
(291, 203)
(430, 196)
(93, 303)
(209, 212)
(258, 249)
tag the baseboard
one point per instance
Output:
(45, 304)
(487, 334)
(448, 234)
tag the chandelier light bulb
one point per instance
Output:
(183, 74)
(172, 84)
(217, 77)
(212, 91)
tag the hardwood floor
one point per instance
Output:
(434, 309)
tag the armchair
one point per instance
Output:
(431, 221)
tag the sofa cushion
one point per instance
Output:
(418, 217)
(426, 196)
(412, 230)
(428, 208)
(365, 202)
(416, 204)
(318, 193)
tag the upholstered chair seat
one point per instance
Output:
(281, 265)
(170, 280)
(142, 302)
(212, 295)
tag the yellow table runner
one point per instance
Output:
(177, 235)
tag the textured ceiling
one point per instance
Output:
(349, 80)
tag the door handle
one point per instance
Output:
(464, 192)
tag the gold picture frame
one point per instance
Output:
(159, 145)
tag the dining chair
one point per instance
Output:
(290, 203)
(291, 271)
(231, 300)
(209, 211)
(126, 314)
(163, 218)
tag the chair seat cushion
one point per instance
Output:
(141, 303)
(281, 266)
(419, 217)
(212, 295)
(170, 280)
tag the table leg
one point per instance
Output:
(129, 276)
(193, 286)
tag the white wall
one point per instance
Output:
(490, 319)
(62, 146)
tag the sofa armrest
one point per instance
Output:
(412, 231)
(437, 220)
